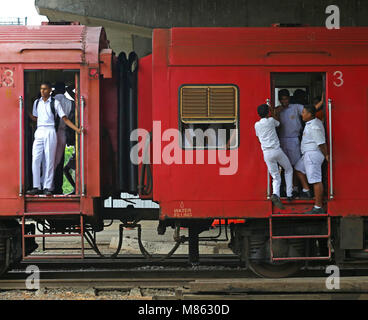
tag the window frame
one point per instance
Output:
(215, 120)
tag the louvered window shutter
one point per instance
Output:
(208, 104)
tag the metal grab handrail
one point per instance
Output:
(82, 146)
(20, 146)
(330, 139)
(268, 101)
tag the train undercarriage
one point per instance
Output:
(275, 247)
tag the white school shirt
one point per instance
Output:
(291, 124)
(45, 117)
(313, 136)
(266, 133)
(66, 105)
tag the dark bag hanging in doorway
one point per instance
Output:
(69, 132)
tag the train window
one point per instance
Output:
(209, 116)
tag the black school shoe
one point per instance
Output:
(306, 195)
(33, 192)
(47, 192)
(277, 202)
(315, 211)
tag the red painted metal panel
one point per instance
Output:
(348, 89)
(267, 46)
(11, 88)
(145, 104)
(90, 90)
(56, 206)
(53, 44)
(243, 193)
(209, 209)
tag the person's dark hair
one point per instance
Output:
(46, 83)
(263, 110)
(311, 109)
(300, 96)
(60, 87)
(284, 93)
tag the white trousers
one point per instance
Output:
(60, 149)
(274, 158)
(44, 145)
(291, 147)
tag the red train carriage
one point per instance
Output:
(220, 75)
(79, 56)
(197, 78)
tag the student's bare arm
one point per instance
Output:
(72, 125)
(33, 118)
(275, 113)
(323, 148)
(320, 104)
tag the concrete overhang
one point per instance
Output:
(122, 36)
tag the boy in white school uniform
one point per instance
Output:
(66, 105)
(314, 150)
(46, 111)
(273, 155)
(289, 116)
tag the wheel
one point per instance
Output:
(281, 248)
(275, 270)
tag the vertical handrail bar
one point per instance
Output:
(330, 139)
(82, 146)
(20, 146)
(268, 101)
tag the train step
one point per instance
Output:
(296, 206)
(45, 235)
(279, 223)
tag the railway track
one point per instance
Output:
(197, 285)
(181, 281)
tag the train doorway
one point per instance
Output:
(304, 88)
(66, 180)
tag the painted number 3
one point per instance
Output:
(338, 79)
(7, 78)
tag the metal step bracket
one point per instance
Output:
(306, 236)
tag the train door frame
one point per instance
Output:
(27, 169)
(273, 99)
